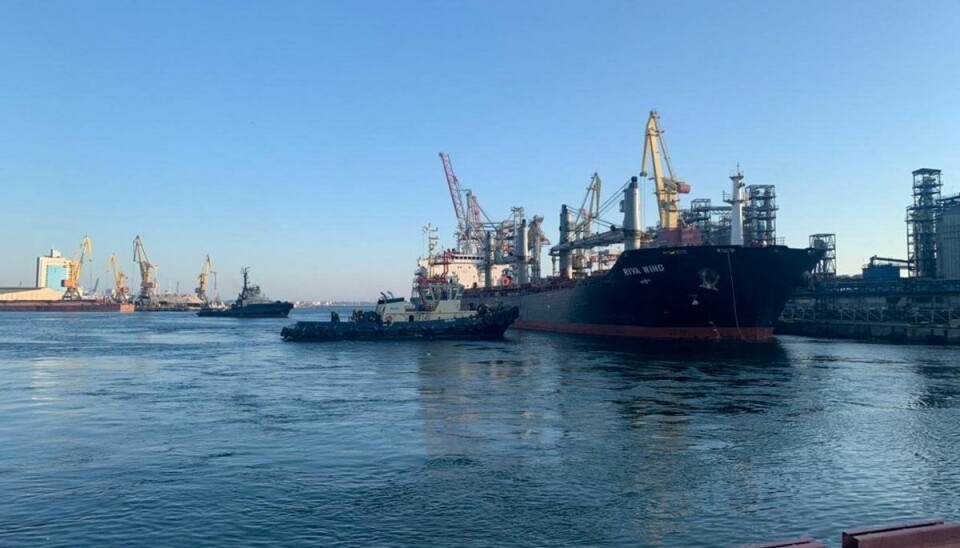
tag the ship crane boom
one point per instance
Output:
(456, 196)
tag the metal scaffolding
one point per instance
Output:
(712, 221)
(760, 216)
(827, 266)
(922, 225)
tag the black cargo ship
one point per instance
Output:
(682, 279)
(690, 292)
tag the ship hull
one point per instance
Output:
(64, 306)
(489, 326)
(695, 292)
(269, 310)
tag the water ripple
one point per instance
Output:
(176, 430)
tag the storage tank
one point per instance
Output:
(881, 273)
(948, 240)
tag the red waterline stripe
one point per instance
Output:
(752, 334)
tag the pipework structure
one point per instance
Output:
(712, 221)
(760, 215)
(922, 223)
(827, 266)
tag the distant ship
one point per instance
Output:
(668, 282)
(434, 312)
(249, 304)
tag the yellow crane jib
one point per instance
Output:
(120, 290)
(148, 287)
(667, 184)
(205, 272)
(75, 269)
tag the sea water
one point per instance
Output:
(169, 429)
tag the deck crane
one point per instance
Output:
(120, 290)
(475, 214)
(587, 216)
(205, 272)
(456, 195)
(589, 213)
(667, 184)
(75, 268)
(148, 286)
(470, 217)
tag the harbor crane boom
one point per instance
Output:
(120, 288)
(472, 221)
(75, 268)
(667, 184)
(148, 286)
(202, 279)
(456, 195)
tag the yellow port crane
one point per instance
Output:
(667, 184)
(148, 287)
(202, 279)
(120, 289)
(75, 268)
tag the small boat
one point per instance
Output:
(432, 313)
(249, 304)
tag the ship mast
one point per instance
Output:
(736, 207)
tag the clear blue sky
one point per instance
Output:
(301, 138)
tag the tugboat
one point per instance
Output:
(432, 313)
(249, 304)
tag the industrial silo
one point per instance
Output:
(948, 239)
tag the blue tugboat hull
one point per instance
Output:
(489, 326)
(278, 309)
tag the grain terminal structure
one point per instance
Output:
(882, 304)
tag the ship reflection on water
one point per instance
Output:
(749, 441)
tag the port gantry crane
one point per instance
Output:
(476, 231)
(75, 268)
(667, 184)
(148, 286)
(205, 272)
(120, 290)
(466, 230)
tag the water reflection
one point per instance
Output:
(557, 440)
(680, 425)
(481, 398)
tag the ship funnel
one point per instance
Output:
(523, 253)
(736, 208)
(566, 221)
(631, 216)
